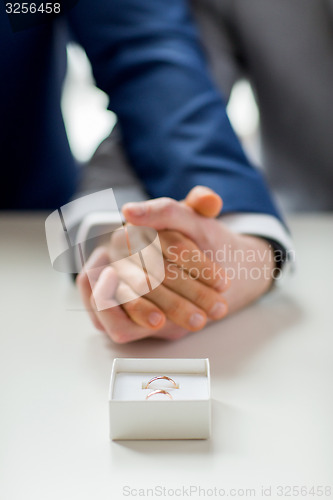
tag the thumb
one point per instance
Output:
(166, 213)
(204, 201)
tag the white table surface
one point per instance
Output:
(271, 367)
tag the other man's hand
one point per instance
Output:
(192, 244)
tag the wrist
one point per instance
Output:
(250, 268)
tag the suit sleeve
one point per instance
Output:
(147, 57)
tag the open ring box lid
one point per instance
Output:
(186, 416)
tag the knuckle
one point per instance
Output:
(100, 328)
(208, 235)
(174, 236)
(134, 307)
(118, 235)
(168, 206)
(180, 247)
(174, 309)
(172, 272)
(217, 274)
(200, 296)
(92, 302)
(141, 285)
(80, 279)
(98, 325)
(118, 337)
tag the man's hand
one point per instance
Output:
(189, 295)
(248, 260)
(181, 303)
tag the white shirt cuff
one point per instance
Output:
(264, 226)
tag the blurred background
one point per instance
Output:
(88, 121)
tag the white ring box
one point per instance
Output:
(186, 416)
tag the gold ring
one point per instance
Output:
(161, 377)
(159, 391)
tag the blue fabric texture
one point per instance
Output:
(147, 57)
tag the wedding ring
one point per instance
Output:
(158, 391)
(161, 377)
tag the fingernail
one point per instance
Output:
(137, 209)
(218, 310)
(197, 320)
(155, 318)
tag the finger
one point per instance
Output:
(103, 292)
(166, 213)
(205, 297)
(84, 287)
(180, 250)
(140, 310)
(176, 308)
(107, 296)
(179, 281)
(111, 316)
(183, 252)
(121, 329)
(204, 201)
(95, 263)
(185, 282)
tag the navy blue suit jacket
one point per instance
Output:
(146, 56)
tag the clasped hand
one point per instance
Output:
(196, 287)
